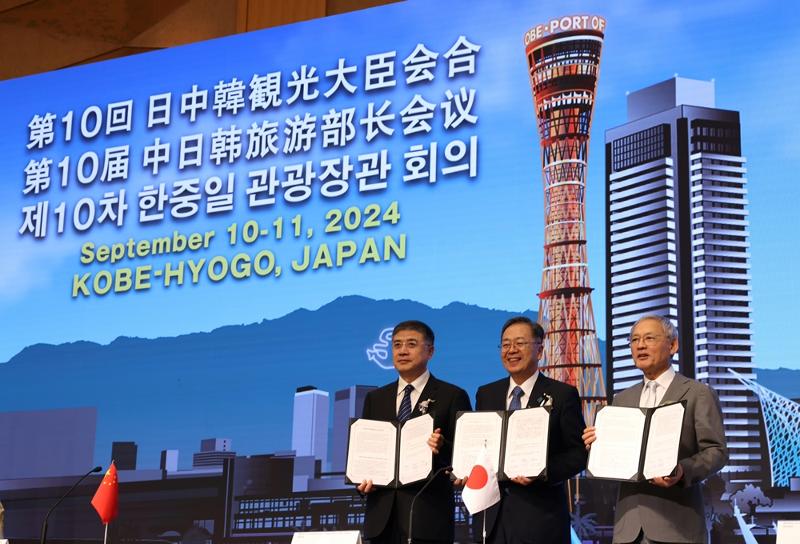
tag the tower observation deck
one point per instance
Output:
(563, 62)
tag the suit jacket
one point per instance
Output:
(433, 511)
(538, 513)
(675, 514)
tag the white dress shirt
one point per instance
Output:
(662, 383)
(419, 384)
(527, 389)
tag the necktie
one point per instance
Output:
(650, 395)
(405, 405)
(516, 395)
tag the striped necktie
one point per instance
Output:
(405, 405)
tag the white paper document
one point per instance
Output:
(616, 452)
(327, 537)
(371, 452)
(526, 443)
(663, 440)
(473, 430)
(416, 457)
(788, 531)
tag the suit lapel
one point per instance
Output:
(676, 390)
(630, 397)
(540, 387)
(500, 394)
(388, 402)
(428, 393)
(674, 393)
(494, 395)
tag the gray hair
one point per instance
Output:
(669, 329)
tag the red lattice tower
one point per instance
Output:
(563, 61)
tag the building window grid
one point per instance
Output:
(640, 147)
(268, 505)
(715, 137)
(328, 519)
(355, 518)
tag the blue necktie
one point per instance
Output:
(405, 404)
(516, 395)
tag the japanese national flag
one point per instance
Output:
(481, 490)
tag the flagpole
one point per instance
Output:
(105, 537)
(484, 527)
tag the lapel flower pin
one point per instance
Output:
(424, 405)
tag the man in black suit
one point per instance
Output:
(416, 392)
(533, 511)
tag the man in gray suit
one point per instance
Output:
(668, 509)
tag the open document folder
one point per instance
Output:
(389, 453)
(635, 444)
(516, 441)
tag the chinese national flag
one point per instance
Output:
(106, 498)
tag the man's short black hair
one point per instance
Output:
(417, 326)
(536, 330)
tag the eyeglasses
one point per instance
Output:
(518, 344)
(648, 339)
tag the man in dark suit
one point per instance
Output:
(669, 508)
(416, 392)
(533, 510)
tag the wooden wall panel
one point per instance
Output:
(268, 13)
(42, 35)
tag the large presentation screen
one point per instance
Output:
(205, 248)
